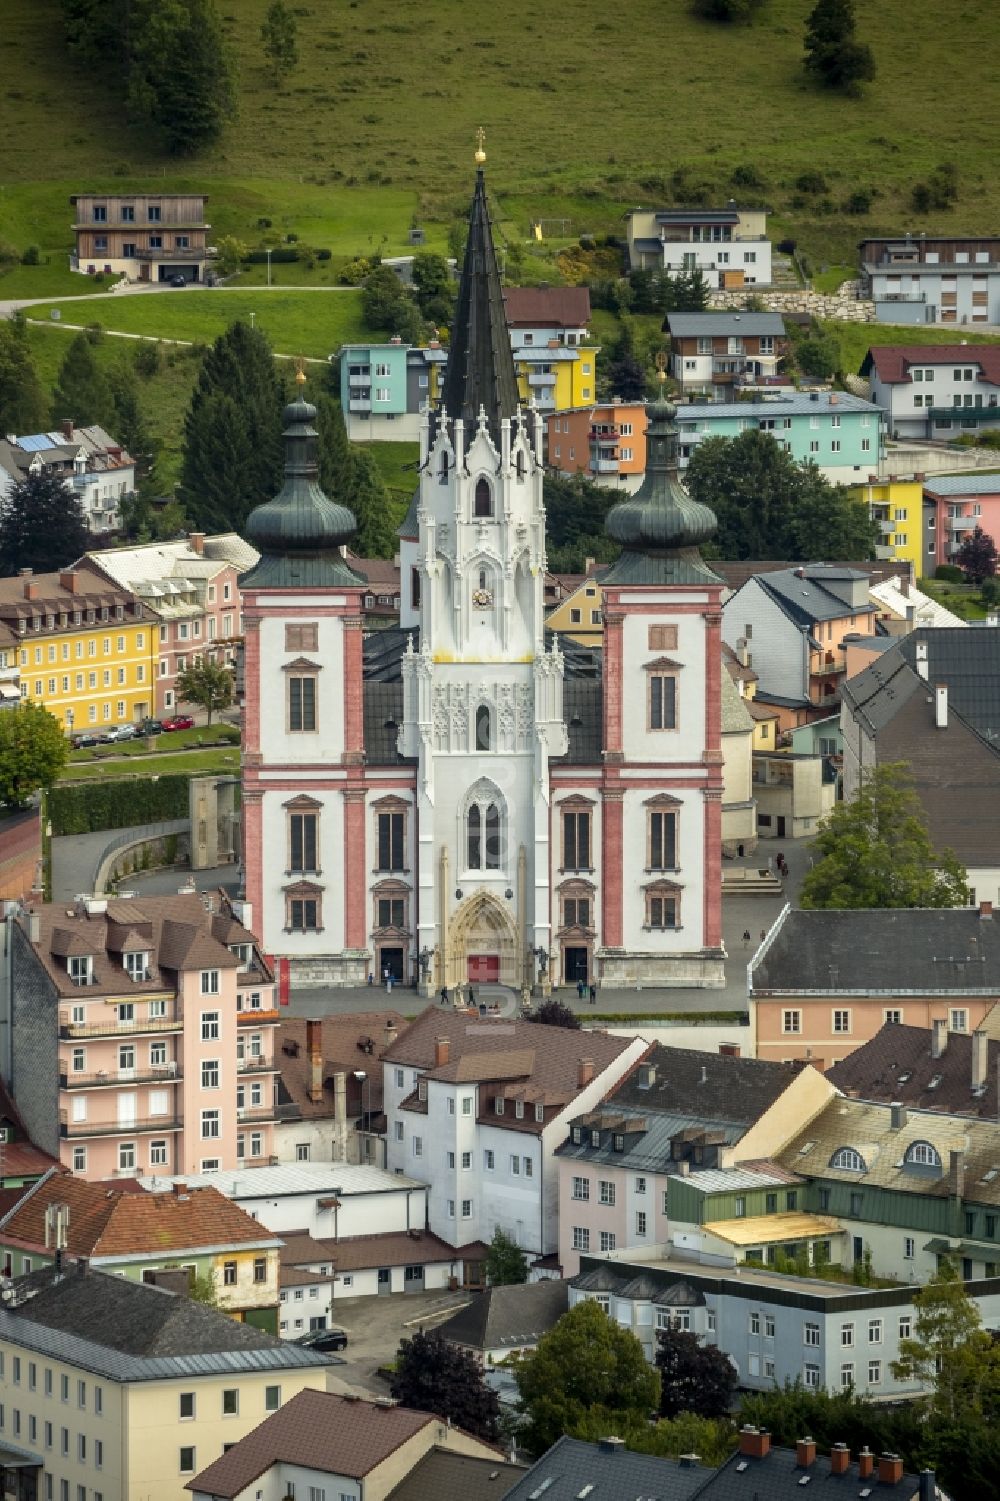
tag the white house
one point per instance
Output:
(729, 246)
(88, 460)
(935, 390)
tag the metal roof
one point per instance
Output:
(963, 484)
(819, 402)
(291, 1178)
(693, 325)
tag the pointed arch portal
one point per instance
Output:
(483, 942)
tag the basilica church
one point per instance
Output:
(467, 798)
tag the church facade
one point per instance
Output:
(465, 798)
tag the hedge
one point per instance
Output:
(86, 807)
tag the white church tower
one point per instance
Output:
(482, 695)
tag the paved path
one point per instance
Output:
(141, 289)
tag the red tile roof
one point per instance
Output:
(344, 1044)
(318, 1431)
(357, 1253)
(104, 1222)
(892, 361)
(547, 307)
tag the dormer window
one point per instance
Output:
(80, 968)
(619, 1142)
(595, 1138)
(242, 953)
(577, 1136)
(137, 965)
(539, 1113)
(849, 1160)
(422, 1090)
(922, 1154)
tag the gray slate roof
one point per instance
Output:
(975, 483)
(807, 600)
(650, 1151)
(782, 406)
(881, 952)
(613, 1474)
(778, 1477)
(969, 662)
(508, 1317)
(443, 1475)
(693, 325)
(707, 1086)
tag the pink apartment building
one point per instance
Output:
(954, 505)
(190, 588)
(142, 1035)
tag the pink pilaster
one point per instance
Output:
(612, 821)
(614, 621)
(253, 853)
(355, 879)
(354, 719)
(713, 868)
(713, 787)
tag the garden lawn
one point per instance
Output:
(221, 762)
(855, 339)
(168, 743)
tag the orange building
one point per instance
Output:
(605, 442)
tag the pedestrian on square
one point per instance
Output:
(746, 938)
(593, 995)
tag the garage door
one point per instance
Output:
(413, 1279)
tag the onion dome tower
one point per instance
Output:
(299, 534)
(660, 528)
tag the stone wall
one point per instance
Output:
(845, 303)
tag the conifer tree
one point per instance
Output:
(368, 498)
(82, 389)
(24, 407)
(41, 526)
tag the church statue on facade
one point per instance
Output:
(462, 798)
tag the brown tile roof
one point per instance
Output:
(180, 936)
(299, 1248)
(19, 1157)
(355, 1253)
(104, 1222)
(898, 1065)
(345, 1047)
(892, 361)
(52, 598)
(443, 1475)
(319, 1431)
(381, 573)
(547, 307)
(760, 710)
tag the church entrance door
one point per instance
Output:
(484, 969)
(575, 966)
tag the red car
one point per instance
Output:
(179, 722)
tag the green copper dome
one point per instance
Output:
(300, 532)
(660, 527)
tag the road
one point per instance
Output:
(374, 1328)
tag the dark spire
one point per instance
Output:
(300, 532)
(660, 527)
(480, 370)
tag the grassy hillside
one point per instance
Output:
(587, 112)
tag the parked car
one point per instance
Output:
(86, 739)
(150, 727)
(178, 722)
(178, 280)
(323, 1340)
(121, 732)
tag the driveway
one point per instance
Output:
(374, 1328)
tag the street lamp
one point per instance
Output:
(363, 1080)
(268, 254)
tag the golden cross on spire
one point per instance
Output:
(661, 366)
(480, 146)
(300, 371)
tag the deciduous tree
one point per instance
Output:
(435, 1376)
(977, 557)
(33, 752)
(207, 684)
(726, 10)
(874, 850)
(949, 1350)
(555, 1013)
(279, 38)
(434, 287)
(179, 72)
(693, 1377)
(41, 526)
(833, 56)
(587, 1361)
(506, 1263)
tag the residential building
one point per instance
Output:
(606, 443)
(321, 1444)
(793, 791)
(141, 1035)
(116, 1388)
(941, 391)
(891, 1177)
(824, 982)
(724, 352)
(739, 807)
(930, 701)
(10, 667)
(930, 1068)
(144, 236)
(903, 607)
(501, 1322)
(555, 365)
(793, 622)
(579, 616)
(478, 1108)
(897, 506)
(137, 1235)
(729, 246)
(330, 1087)
(775, 1327)
(98, 471)
(749, 1215)
(417, 776)
(780, 1474)
(381, 599)
(189, 589)
(445, 1476)
(316, 1272)
(384, 386)
(932, 279)
(607, 1470)
(87, 649)
(680, 1110)
(839, 433)
(954, 505)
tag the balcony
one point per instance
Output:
(605, 436)
(138, 1123)
(833, 663)
(899, 297)
(257, 1018)
(364, 380)
(360, 403)
(965, 414)
(257, 1114)
(192, 253)
(884, 554)
(886, 527)
(541, 378)
(257, 1066)
(112, 1027)
(963, 523)
(168, 1073)
(604, 466)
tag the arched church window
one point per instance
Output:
(482, 578)
(443, 469)
(519, 465)
(484, 498)
(492, 837)
(475, 826)
(484, 728)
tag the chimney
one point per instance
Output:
(25, 573)
(589, 564)
(31, 589)
(939, 1036)
(340, 1103)
(66, 426)
(840, 1459)
(34, 927)
(928, 1485)
(985, 910)
(196, 542)
(866, 1464)
(897, 1116)
(956, 1174)
(805, 1453)
(314, 1048)
(389, 1034)
(442, 1051)
(941, 705)
(904, 586)
(729, 1050)
(754, 1442)
(890, 1469)
(179, 1188)
(69, 581)
(611, 1445)
(922, 668)
(980, 1057)
(586, 1073)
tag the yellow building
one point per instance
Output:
(557, 377)
(579, 616)
(897, 506)
(548, 327)
(113, 1389)
(86, 650)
